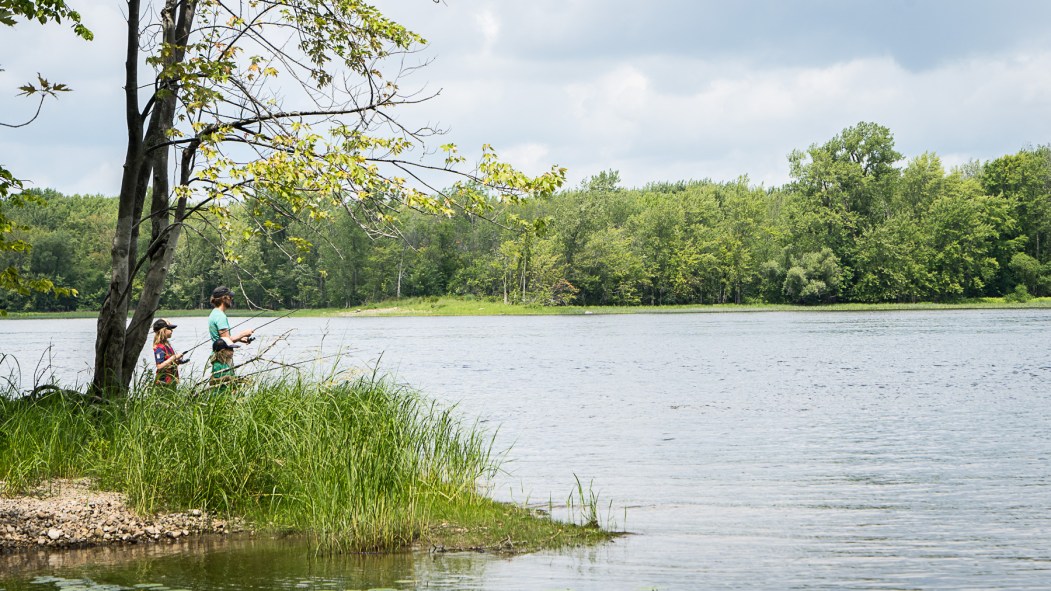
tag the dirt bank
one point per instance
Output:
(70, 514)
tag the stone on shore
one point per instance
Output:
(69, 513)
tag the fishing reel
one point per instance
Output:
(183, 359)
(249, 339)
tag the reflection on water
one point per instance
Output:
(903, 450)
(219, 563)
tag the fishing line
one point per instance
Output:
(257, 315)
(278, 365)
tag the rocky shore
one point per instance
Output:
(70, 514)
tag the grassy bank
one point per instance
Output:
(452, 306)
(160, 314)
(460, 306)
(355, 466)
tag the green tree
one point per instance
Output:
(606, 181)
(610, 272)
(892, 262)
(658, 232)
(531, 271)
(965, 228)
(1025, 178)
(922, 181)
(1029, 273)
(11, 195)
(892, 256)
(342, 262)
(841, 188)
(741, 231)
(814, 277)
(214, 127)
(75, 231)
(196, 263)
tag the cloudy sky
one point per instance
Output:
(658, 90)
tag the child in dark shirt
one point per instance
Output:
(166, 358)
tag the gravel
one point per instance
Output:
(71, 514)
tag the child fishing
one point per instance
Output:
(222, 377)
(164, 355)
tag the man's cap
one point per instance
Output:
(220, 344)
(161, 323)
(221, 291)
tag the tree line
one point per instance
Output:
(856, 223)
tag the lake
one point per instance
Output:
(773, 450)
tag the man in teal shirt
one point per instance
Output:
(218, 323)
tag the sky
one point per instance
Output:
(661, 90)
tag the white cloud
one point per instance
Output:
(532, 159)
(106, 174)
(573, 84)
(612, 108)
(489, 25)
(746, 122)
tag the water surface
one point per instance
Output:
(796, 450)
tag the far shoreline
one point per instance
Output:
(454, 306)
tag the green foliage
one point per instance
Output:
(359, 466)
(1020, 295)
(922, 181)
(12, 278)
(936, 237)
(1029, 273)
(844, 185)
(605, 181)
(42, 11)
(27, 275)
(965, 229)
(892, 261)
(70, 238)
(609, 271)
(1025, 180)
(814, 278)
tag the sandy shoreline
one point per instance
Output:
(70, 514)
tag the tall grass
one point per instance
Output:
(51, 437)
(359, 466)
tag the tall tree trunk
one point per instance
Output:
(400, 258)
(109, 340)
(164, 233)
(164, 237)
(118, 343)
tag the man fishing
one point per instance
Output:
(218, 324)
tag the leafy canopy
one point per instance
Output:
(341, 145)
(43, 11)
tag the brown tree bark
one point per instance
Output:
(119, 343)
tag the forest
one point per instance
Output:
(857, 222)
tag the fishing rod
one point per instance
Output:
(250, 339)
(271, 321)
(277, 365)
(258, 356)
(282, 365)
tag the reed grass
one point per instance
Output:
(53, 437)
(356, 466)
